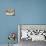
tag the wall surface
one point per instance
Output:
(27, 12)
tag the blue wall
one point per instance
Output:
(27, 12)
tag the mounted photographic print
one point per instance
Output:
(10, 12)
(32, 32)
